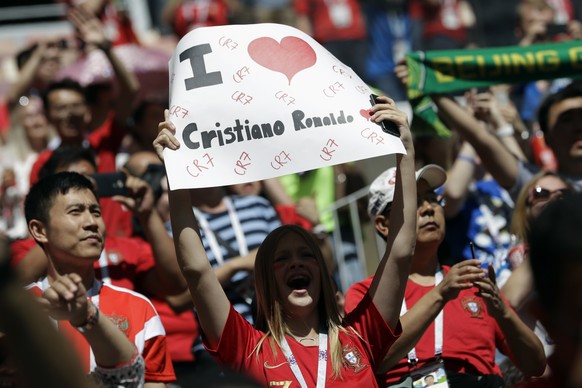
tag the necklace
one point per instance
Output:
(313, 340)
(321, 363)
(310, 341)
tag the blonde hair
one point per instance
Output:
(520, 223)
(270, 314)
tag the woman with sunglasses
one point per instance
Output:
(300, 338)
(541, 190)
(453, 318)
(534, 196)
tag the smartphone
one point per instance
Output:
(153, 176)
(109, 184)
(386, 125)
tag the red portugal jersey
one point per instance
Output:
(360, 355)
(470, 334)
(133, 314)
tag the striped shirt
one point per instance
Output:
(257, 218)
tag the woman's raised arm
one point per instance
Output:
(207, 294)
(387, 289)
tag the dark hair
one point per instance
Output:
(41, 197)
(64, 156)
(64, 84)
(573, 90)
(555, 245)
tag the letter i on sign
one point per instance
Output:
(200, 77)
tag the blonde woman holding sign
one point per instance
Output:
(300, 338)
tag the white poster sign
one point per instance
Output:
(252, 102)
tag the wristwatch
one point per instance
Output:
(92, 318)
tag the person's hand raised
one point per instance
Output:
(486, 108)
(386, 109)
(88, 27)
(166, 136)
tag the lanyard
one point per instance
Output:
(211, 237)
(438, 326)
(321, 362)
(104, 267)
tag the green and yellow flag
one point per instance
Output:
(455, 70)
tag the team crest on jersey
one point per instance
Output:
(121, 322)
(473, 306)
(114, 257)
(352, 358)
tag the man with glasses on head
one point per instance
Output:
(453, 318)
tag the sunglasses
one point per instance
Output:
(540, 195)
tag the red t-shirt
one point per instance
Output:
(19, 249)
(106, 141)
(118, 28)
(440, 20)
(361, 355)
(288, 215)
(122, 263)
(349, 20)
(181, 330)
(133, 314)
(470, 334)
(124, 260)
(193, 14)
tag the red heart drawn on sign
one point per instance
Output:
(289, 57)
(365, 113)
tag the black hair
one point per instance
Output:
(573, 90)
(64, 84)
(555, 245)
(64, 156)
(41, 196)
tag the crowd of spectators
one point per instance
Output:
(480, 213)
